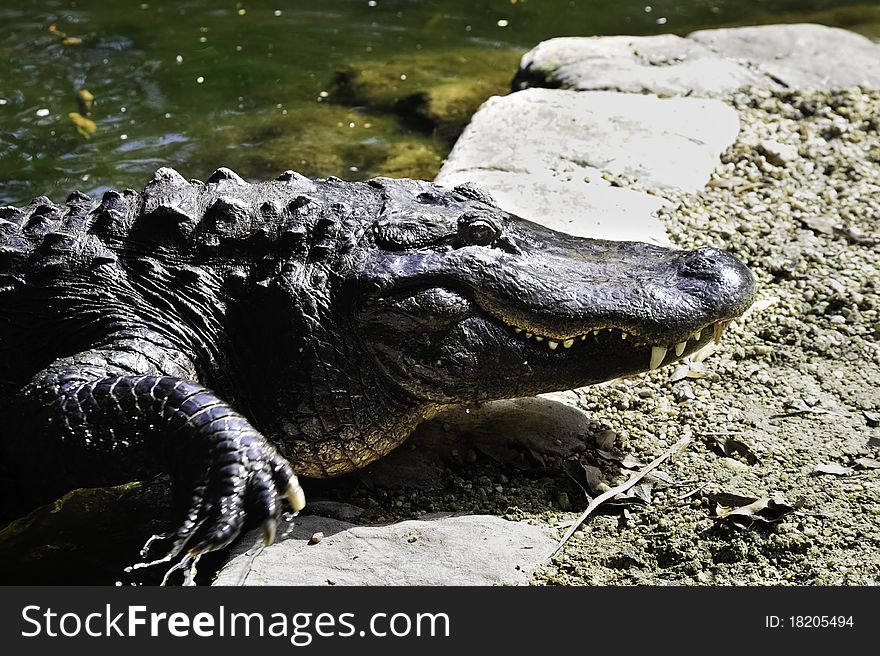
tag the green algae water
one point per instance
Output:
(352, 88)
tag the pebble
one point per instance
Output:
(777, 153)
(734, 465)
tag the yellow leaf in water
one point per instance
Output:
(84, 126)
(85, 100)
(71, 41)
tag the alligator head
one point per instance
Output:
(433, 297)
(464, 302)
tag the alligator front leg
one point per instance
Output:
(82, 423)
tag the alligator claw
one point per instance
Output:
(246, 478)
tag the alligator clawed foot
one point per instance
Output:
(248, 480)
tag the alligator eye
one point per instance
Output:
(479, 232)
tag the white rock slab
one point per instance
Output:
(661, 64)
(437, 550)
(800, 55)
(569, 203)
(663, 142)
(542, 153)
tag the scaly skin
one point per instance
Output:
(232, 333)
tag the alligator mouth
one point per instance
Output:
(658, 353)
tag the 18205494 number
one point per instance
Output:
(820, 621)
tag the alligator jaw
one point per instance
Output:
(658, 352)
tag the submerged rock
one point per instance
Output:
(87, 537)
(434, 91)
(320, 140)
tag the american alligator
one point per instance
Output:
(231, 334)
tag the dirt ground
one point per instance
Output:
(787, 407)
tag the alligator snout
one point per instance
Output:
(732, 283)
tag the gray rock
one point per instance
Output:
(437, 550)
(705, 63)
(802, 55)
(661, 64)
(542, 153)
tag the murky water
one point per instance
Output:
(198, 83)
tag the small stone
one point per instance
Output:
(734, 465)
(776, 153)
(316, 537)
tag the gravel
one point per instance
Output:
(793, 380)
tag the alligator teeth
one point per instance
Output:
(679, 348)
(657, 355)
(528, 335)
(719, 329)
(517, 330)
(552, 344)
(568, 343)
(623, 335)
(539, 338)
(595, 331)
(697, 334)
(583, 337)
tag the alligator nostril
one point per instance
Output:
(705, 263)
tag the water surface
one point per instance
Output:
(180, 83)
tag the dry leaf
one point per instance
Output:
(831, 468)
(688, 369)
(587, 477)
(660, 477)
(85, 127)
(85, 100)
(640, 493)
(727, 446)
(821, 224)
(856, 236)
(628, 461)
(873, 418)
(744, 511)
(867, 463)
(539, 457)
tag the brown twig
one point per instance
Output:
(623, 487)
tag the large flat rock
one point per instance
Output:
(437, 550)
(661, 64)
(542, 153)
(706, 63)
(569, 202)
